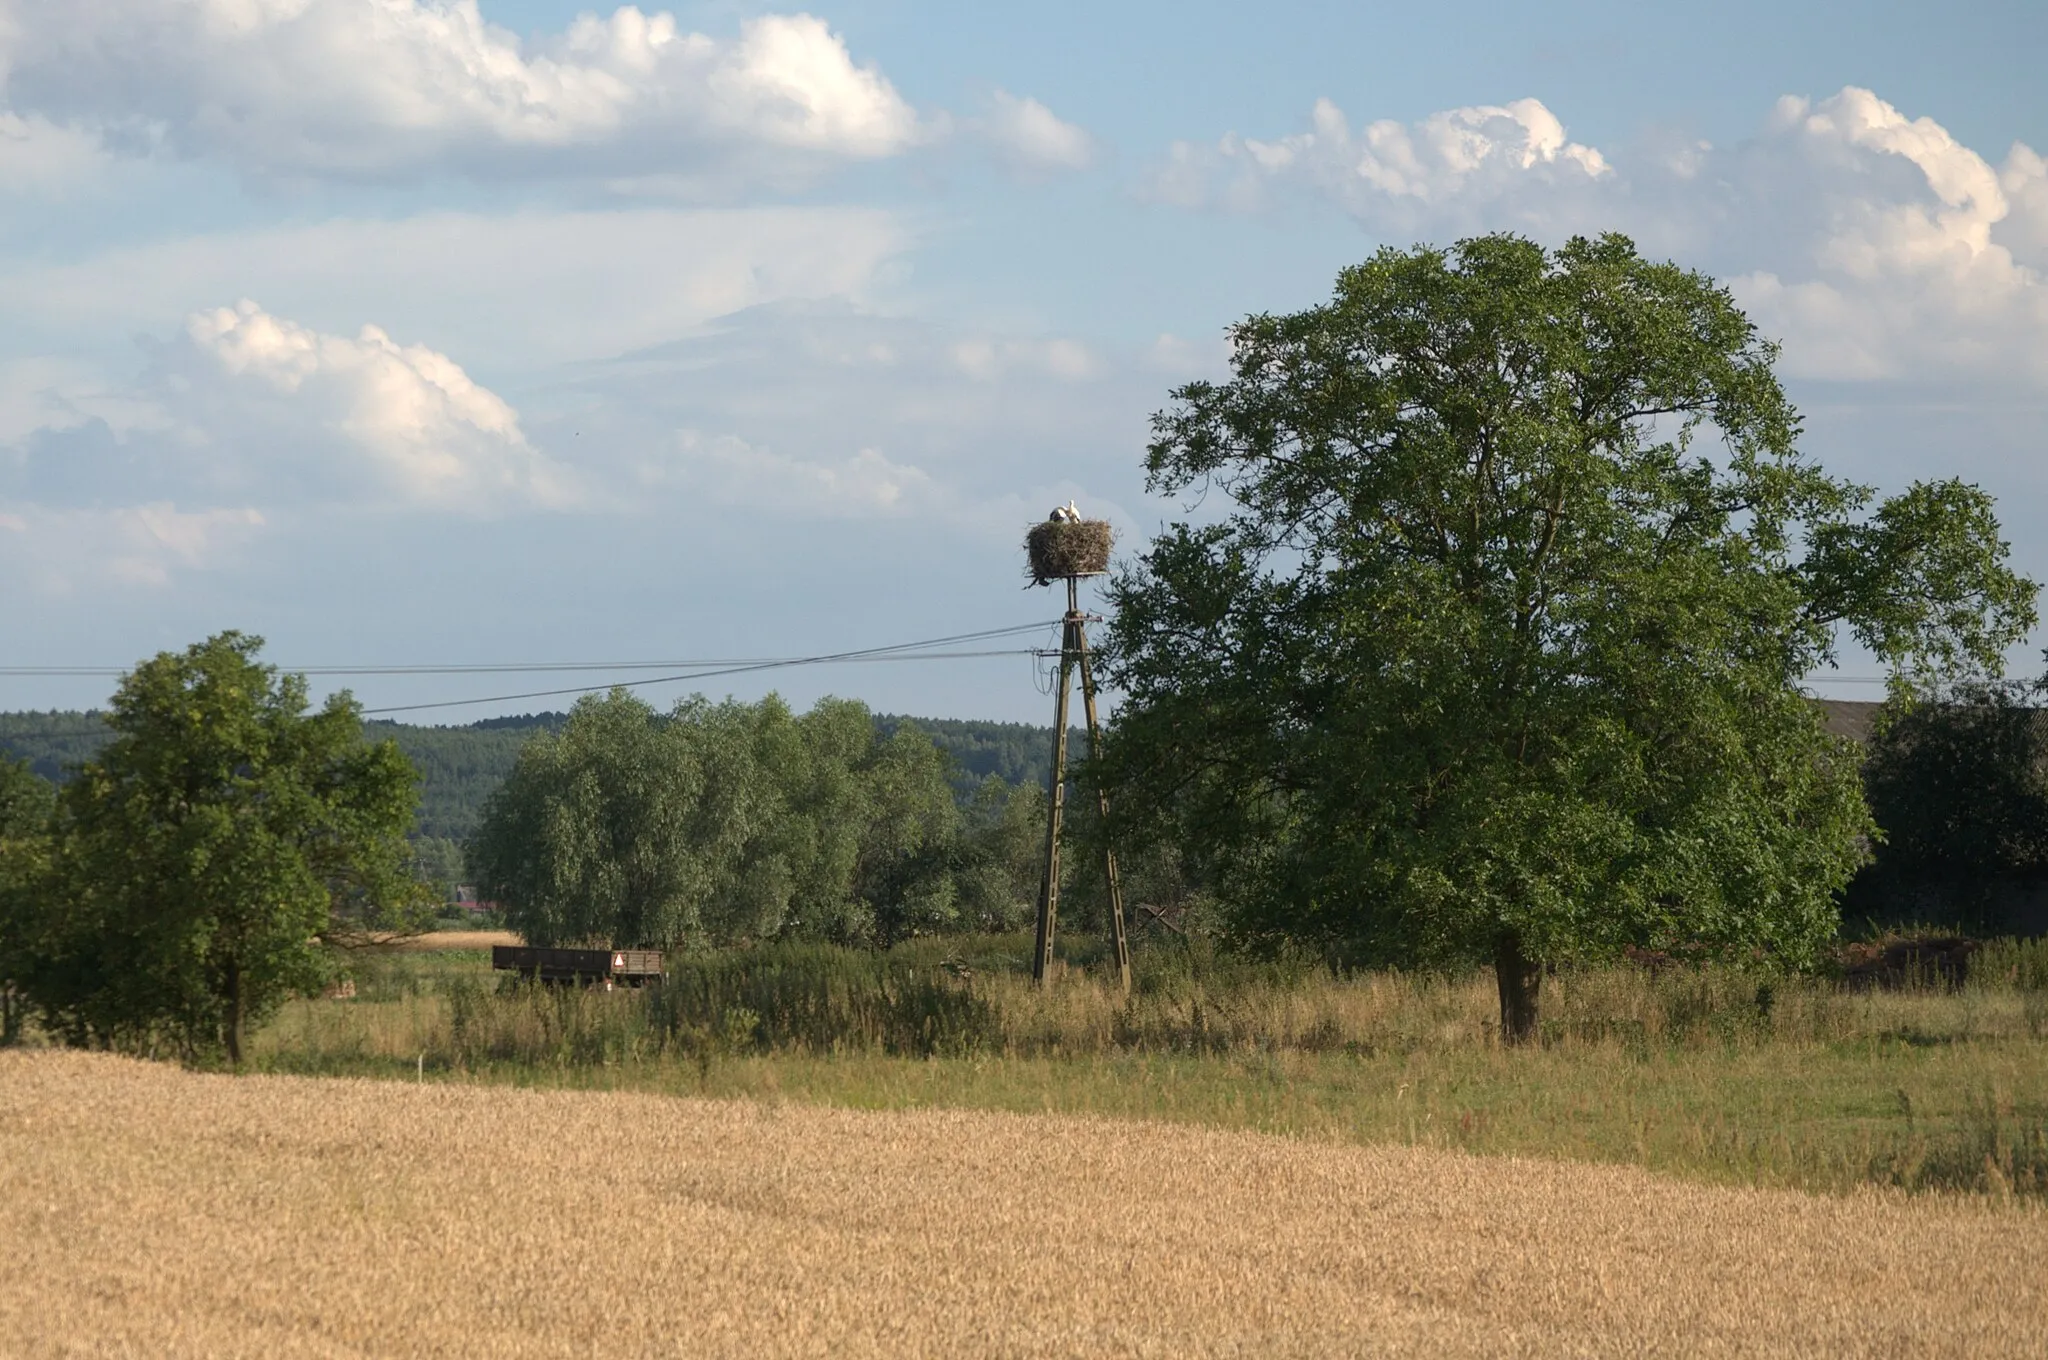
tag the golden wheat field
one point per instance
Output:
(149, 1211)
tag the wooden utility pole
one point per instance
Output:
(1073, 655)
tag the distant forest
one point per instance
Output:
(460, 766)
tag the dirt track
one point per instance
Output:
(147, 1211)
(458, 939)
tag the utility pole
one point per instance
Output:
(1068, 549)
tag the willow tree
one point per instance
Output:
(1491, 648)
(719, 823)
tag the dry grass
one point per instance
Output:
(1688, 1072)
(151, 1211)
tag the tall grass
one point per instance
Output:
(1996, 1147)
(948, 999)
(1729, 1072)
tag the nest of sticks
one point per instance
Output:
(1062, 548)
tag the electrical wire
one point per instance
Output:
(702, 669)
(1051, 649)
(902, 651)
(508, 668)
(708, 668)
(1886, 680)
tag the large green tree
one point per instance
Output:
(1491, 648)
(199, 861)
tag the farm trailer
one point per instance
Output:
(606, 968)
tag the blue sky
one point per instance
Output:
(403, 332)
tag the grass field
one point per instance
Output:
(152, 1211)
(1716, 1075)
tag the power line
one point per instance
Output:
(101, 729)
(701, 669)
(513, 667)
(705, 669)
(488, 668)
(905, 651)
(1886, 679)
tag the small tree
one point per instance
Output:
(200, 860)
(1483, 659)
(1958, 785)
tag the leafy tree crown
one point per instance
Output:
(1498, 630)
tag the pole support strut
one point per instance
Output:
(1073, 655)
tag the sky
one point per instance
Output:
(435, 333)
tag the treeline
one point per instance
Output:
(1959, 788)
(460, 767)
(736, 822)
(1016, 753)
(56, 743)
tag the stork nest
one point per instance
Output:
(1062, 548)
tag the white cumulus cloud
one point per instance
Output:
(1875, 244)
(406, 418)
(1031, 139)
(381, 88)
(248, 408)
(1909, 258)
(1458, 165)
(2024, 180)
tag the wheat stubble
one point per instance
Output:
(149, 1211)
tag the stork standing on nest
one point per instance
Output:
(1066, 547)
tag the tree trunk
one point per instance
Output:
(1521, 981)
(10, 1016)
(234, 1035)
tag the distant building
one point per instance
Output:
(1851, 718)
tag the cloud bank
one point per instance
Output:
(247, 423)
(59, 550)
(377, 89)
(398, 90)
(246, 416)
(728, 471)
(517, 291)
(1875, 244)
